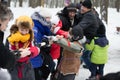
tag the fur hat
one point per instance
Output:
(45, 13)
(24, 19)
(87, 4)
(55, 19)
(72, 7)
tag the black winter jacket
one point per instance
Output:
(89, 24)
(7, 58)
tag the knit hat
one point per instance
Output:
(45, 12)
(55, 19)
(77, 33)
(72, 7)
(24, 19)
(87, 4)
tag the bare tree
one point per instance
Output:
(38, 3)
(9, 3)
(104, 10)
(34, 3)
(42, 3)
(20, 3)
(96, 3)
(117, 5)
(15, 3)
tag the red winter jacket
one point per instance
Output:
(55, 48)
(57, 30)
(33, 49)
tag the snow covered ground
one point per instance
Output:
(113, 64)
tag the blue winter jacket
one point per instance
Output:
(41, 28)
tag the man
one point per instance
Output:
(89, 25)
(88, 22)
(7, 58)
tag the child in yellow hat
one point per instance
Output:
(21, 37)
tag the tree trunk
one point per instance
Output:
(42, 3)
(117, 5)
(104, 10)
(38, 3)
(8, 4)
(33, 3)
(20, 3)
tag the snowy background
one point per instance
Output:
(113, 64)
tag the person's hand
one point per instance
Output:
(59, 36)
(52, 28)
(24, 52)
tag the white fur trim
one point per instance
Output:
(55, 19)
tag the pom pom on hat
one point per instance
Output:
(87, 4)
(55, 19)
(25, 19)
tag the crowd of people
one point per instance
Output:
(73, 36)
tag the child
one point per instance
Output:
(43, 63)
(99, 48)
(21, 37)
(72, 50)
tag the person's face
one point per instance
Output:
(23, 31)
(3, 25)
(83, 9)
(71, 14)
(47, 19)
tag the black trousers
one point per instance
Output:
(42, 73)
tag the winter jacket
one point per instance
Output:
(18, 41)
(7, 58)
(55, 51)
(55, 48)
(41, 28)
(89, 24)
(70, 61)
(100, 51)
(22, 71)
(59, 31)
(99, 47)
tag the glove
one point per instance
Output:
(24, 52)
(39, 45)
(43, 44)
(54, 38)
